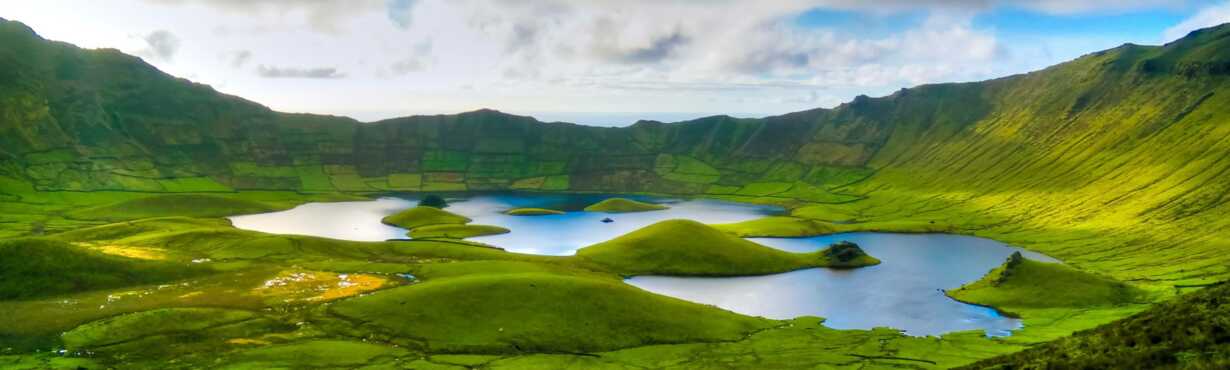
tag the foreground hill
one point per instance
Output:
(1190, 333)
(31, 268)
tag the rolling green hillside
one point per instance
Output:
(1111, 162)
(31, 268)
(1189, 333)
(1115, 163)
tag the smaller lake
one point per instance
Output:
(546, 235)
(902, 292)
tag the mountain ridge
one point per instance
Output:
(1119, 150)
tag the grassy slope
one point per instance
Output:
(423, 216)
(1052, 299)
(455, 231)
(684, 247)
(504, 313)
(1189, 332)
(778, 226)
(166, 205)
(533, 212)
(621, 205)
(31, 268)
(1031, 285)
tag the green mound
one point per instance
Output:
(1024, 284)
(423, 216)
(1189, 332)
(684, 247)
(152, 327)
(536, 312)
(622, 205)
(778, 227)
(32, 268)
(455, 231)
(532, 212)
(845, 254)
(318, 354)
(171, 205)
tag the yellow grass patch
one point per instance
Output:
(247, 341)
(132, 252)
(317, 286)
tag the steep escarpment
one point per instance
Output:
(1113, 162)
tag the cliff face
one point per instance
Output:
(1124, 149)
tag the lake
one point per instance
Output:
(547, 235)
(903, 292)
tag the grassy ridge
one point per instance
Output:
(31, 268)
(532, 212)
(684, 247)
(424, 216)
(1022, 284)
(455, 231)
(189, 205)
(1188, 332)
(623, 205)
(504, 313)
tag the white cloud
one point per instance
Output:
(160, 44)
(322, 15)
(239, 58)
(1207, 17)
(542, 55)
(294, 72)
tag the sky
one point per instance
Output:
(601, 62)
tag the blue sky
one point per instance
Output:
(580, 61)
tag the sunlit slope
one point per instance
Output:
(1187, 333)
(1114, 162)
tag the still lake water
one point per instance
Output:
(903, 292)
(559, 235)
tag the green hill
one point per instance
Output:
(684, 247)
(1025, 284)
(31, 268)
(532, 212)
(1189, 332)
(424, 216)
(622, 205)
(172, 205)
(456, 231)
(504, 314)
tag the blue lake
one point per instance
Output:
(903, 292)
